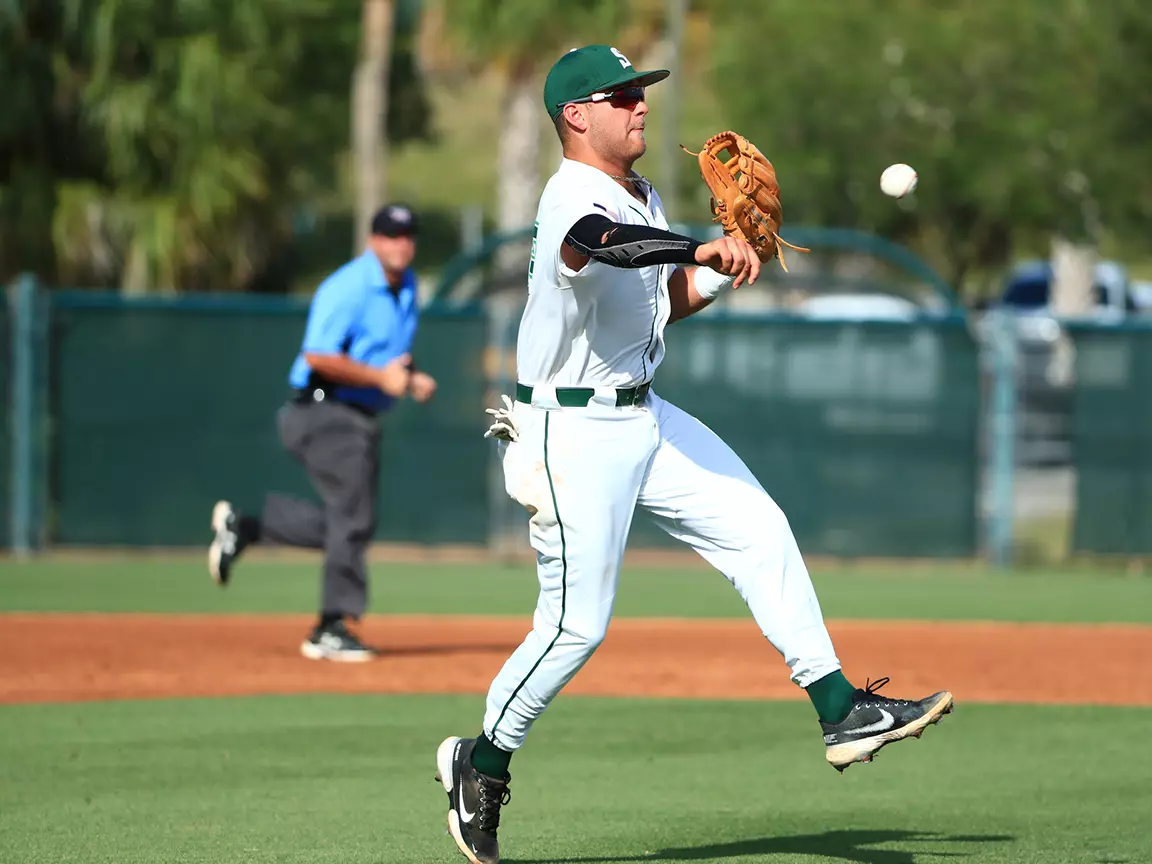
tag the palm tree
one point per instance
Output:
(214, 122)
(369, 108)
(520, 39)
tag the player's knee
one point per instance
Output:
(585, 636)
(774, 516)
(762, 523)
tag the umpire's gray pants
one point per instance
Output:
(340, 449)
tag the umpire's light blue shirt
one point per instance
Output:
(355, 312)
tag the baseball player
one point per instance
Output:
(587, 440)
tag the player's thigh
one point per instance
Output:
(700, 490)
(578, 473)
(578, 466)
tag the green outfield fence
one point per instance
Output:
(163, 406)
(7, 342)
(864, 433)
(150, 409)
(1112, 440)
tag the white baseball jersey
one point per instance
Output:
(603, 325)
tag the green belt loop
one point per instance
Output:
(577, 397)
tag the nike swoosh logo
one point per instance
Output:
(886, 722)
(465, 816)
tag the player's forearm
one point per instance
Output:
(629, 246)
(684, 296)
(340, 369)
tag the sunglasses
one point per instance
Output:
(622, 98)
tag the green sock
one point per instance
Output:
(831, 697)
(489, 759)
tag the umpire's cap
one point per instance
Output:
(592, 69)
(395, 220)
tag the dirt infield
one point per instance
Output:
(66, 658)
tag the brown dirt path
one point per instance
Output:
(66, 657)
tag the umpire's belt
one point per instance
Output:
(313, 395)
(582, 397)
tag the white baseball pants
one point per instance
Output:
(581, 472)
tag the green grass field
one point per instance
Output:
(164, 584)
(348, 779)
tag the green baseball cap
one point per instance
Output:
(592, 69)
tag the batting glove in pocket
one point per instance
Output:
(502, 426)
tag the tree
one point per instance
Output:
(369, 108)
(42, 134)
(181, 145)
(1125, 100)
(995, 105)
(521, 39)
(217, 120)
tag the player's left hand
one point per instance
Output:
(422, 386)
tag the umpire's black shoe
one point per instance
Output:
(474, 801)
(227, 545)
(336, 642)
(877, 720)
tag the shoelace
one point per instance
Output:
(493, 794)
(870, 688)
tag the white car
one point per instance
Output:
(859, 307)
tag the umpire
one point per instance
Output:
(355, 362)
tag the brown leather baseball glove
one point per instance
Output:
(745, 194)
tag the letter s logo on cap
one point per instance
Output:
(624, 61)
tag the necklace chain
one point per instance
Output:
(634, 178)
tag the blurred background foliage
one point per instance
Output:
(204, 144)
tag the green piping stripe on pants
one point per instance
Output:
(563, 584)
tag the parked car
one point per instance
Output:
(1028, 292)
(859, 307)
(1142, 296)
(1044, 372)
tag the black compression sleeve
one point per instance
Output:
(629, 246)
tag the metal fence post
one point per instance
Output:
(471, 239)
(1003, 439)
(502, 316)
(22, 298)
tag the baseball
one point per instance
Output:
(898, 180)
